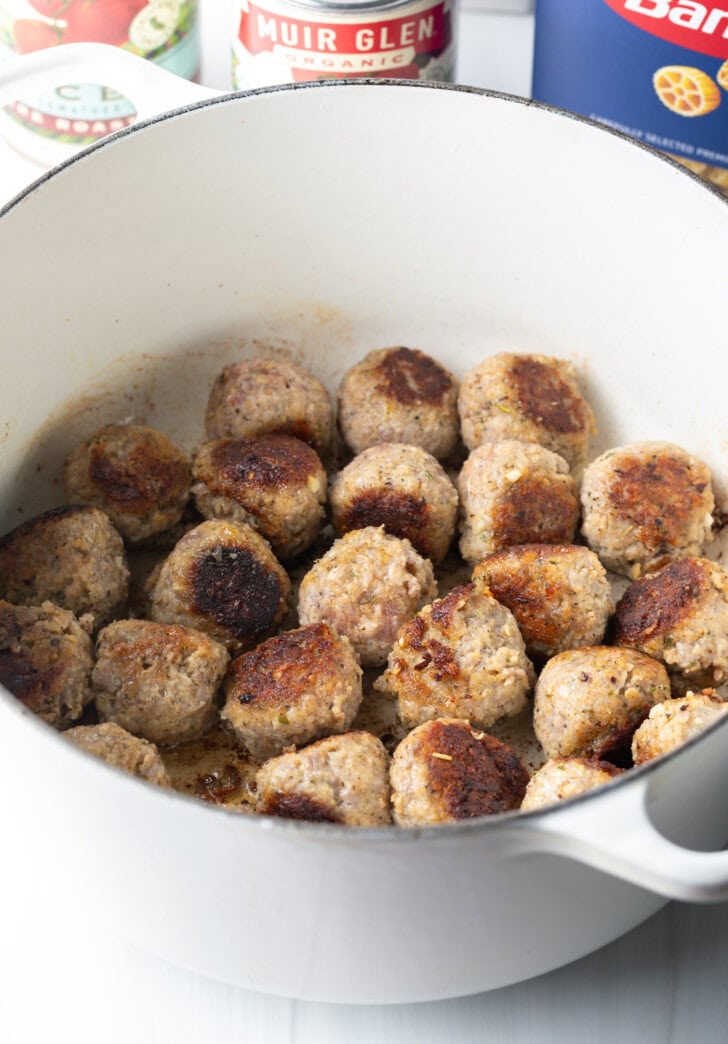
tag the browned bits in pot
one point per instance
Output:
(119, 748)
(445, 770)
(134, 474)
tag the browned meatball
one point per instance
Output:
(399, 395)
(46, 658)
(222, 578)
(447, 770)
(261, 395)
(531, 398)
(342, 779)
(119, 748)
(292, 689)
(72, 556)
(402, 488)
(679, 615)
(274, 483)
(559, 594)
(134, 474)
(157, 680)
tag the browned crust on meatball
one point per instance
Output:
(654, 605)
(659, 497)
(509, 575)
(475, 774)
(37, 524)
(533, 510)
(265, 461)
(435, 653)
(233, 587)
(409, 377)
(544, 397)
(401, 514)
(297, 806)
(150, 475)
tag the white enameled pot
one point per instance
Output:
(330, 219)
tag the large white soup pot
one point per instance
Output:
(331, 219)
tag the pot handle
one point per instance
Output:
(633, 849)
(151, 89)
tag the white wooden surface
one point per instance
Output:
(64, 979)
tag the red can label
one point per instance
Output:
(279, 44)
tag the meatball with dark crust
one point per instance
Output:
(447, 770)
(679, 615)
(564, 778)
(256, 396)
(291, 689)
(644, 504)
(399, 395)
(559, 594)
(159, 681)
(531, 398)
(515, 493)
(342, 779)
(119, 748)
(274, 483)
(402, 488)
(72, 556)
(46, 659)
(223, 579)
(134, 474)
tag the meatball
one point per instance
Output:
(274, 483)
(515, 493)
(256, 396)
(46, 659)
(531, 398)
(366, 586)
(118, 747)
(399, 395)
(564, 778)
(461, 657)
(222, 578)
(292, 689)
(134, 474)
(644, 504)
(72, 556)
(674, 722)
(157, 680)
(679, 615)
(589, 701)
(402, 488)
(342, 779)
(445, 770)
(559, 594)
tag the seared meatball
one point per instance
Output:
(679, 615)
(261, 395)
(447, 770)
(157, 680)
(674, 722)
(589, 701)
(342, 779)
(366, 586)
(515, 493)
(72, 556)
(559, 594)
(134, 474)
(292, 689)
(564, 778)
(461, 657)
(531, 398)
(644, 504)
(46, 658)
(399, 395)
(274, 483)
(118, 747)
(402, 488)
(222, 578)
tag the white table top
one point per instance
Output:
(64, 980)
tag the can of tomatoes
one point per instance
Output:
(53, 126)
(656, 70)
(286, 41)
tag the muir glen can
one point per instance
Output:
(286, 41)
(656, 70)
